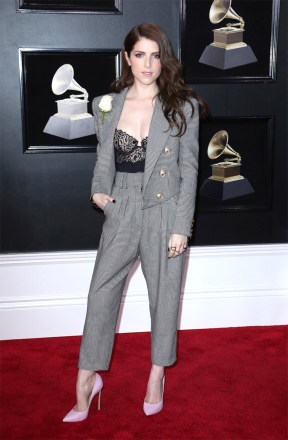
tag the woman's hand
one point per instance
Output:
(177, 244)
(101, 199)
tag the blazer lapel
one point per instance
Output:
(158, 134)
(112, 118)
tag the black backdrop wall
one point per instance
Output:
(44, 195)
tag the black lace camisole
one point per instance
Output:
(129, 156)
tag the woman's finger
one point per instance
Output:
(173, 251)
(177, 245)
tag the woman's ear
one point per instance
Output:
(127, 58)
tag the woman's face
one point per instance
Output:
(145, 62)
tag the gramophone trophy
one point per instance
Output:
(72, 120)
(228, 49)
(226, 181)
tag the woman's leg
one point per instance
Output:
(114, 261)
(163, 277)
(118, 250)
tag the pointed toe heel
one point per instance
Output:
(153, 408)
(79, 416)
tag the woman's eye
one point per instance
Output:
(138, 55)
(157, 56)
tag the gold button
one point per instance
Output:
(162, 173)
(159, 196)
(167, 150)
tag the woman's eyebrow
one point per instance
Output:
(152, 53)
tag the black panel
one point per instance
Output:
(252, 138)
(260, 35)
(93, 70)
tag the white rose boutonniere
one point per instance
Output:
(105, 105)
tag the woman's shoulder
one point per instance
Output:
(96, 101)
(112, 94)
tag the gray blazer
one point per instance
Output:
(171, 164)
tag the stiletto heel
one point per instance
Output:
(78, 416)
(153, 408)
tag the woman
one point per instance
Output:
(145, 181)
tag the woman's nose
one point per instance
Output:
(147, 62)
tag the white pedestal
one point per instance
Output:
(72, 120)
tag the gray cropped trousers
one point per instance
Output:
(130, 231)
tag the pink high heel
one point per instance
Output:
(153, 408)
(78, 416)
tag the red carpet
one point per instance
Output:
(228, 384)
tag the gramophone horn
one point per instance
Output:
(218, 145)
(63, 80)
(221, 9)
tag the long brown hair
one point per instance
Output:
(173, 92)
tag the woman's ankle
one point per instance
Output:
(157, 372)
(84, 378)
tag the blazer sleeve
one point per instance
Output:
(188, 166)
(96, 181)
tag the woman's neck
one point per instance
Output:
(137, 91)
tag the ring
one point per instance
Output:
(173, 248)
